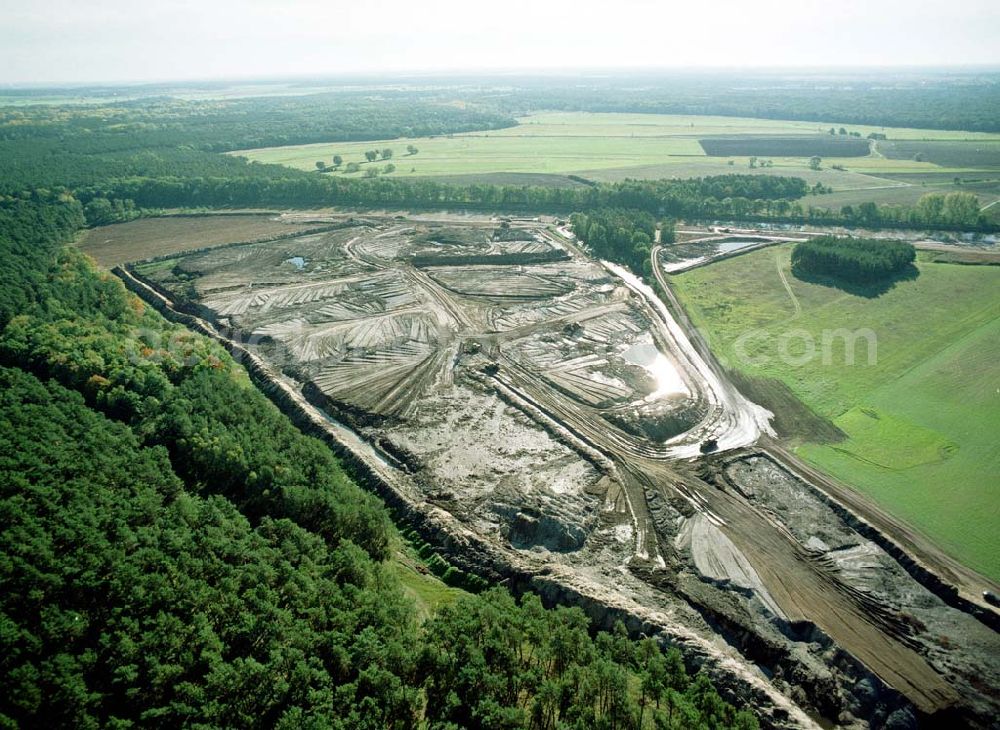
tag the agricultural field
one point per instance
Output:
(773, 145)
(907, 189)
(920, 421)
(149, 237)
(957, 153)
(547, 147)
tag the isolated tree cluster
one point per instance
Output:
(855, 260)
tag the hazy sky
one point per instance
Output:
(147, 40)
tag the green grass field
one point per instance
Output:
(906, 190)
(497, 152)
(609, 147)
(921, 422)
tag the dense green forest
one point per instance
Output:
(855, 260)
(712, 196)
(756, 198)
(175, 552)
(743, 198)
(130, 600)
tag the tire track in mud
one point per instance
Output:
(805, 591)
(788, 287)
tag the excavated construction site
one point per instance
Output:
(544, 420)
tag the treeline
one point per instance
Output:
(951, 210)
(61, 163)
(221, 125)
(947, 99)
(922, 99)
(718, 196)
(855, 260)
(725, 197)
(175, 553)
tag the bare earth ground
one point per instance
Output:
(149, 237)
(553, 409)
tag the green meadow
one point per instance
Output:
(609, 147)
(921, 417)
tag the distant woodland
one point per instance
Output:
(128, 159)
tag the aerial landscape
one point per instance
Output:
(406, 383)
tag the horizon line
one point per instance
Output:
(400, 75)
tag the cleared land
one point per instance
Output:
(428, 592)
(149, 237)
(554, 409)
(544, 148)
(921, 423)
(954, 153)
